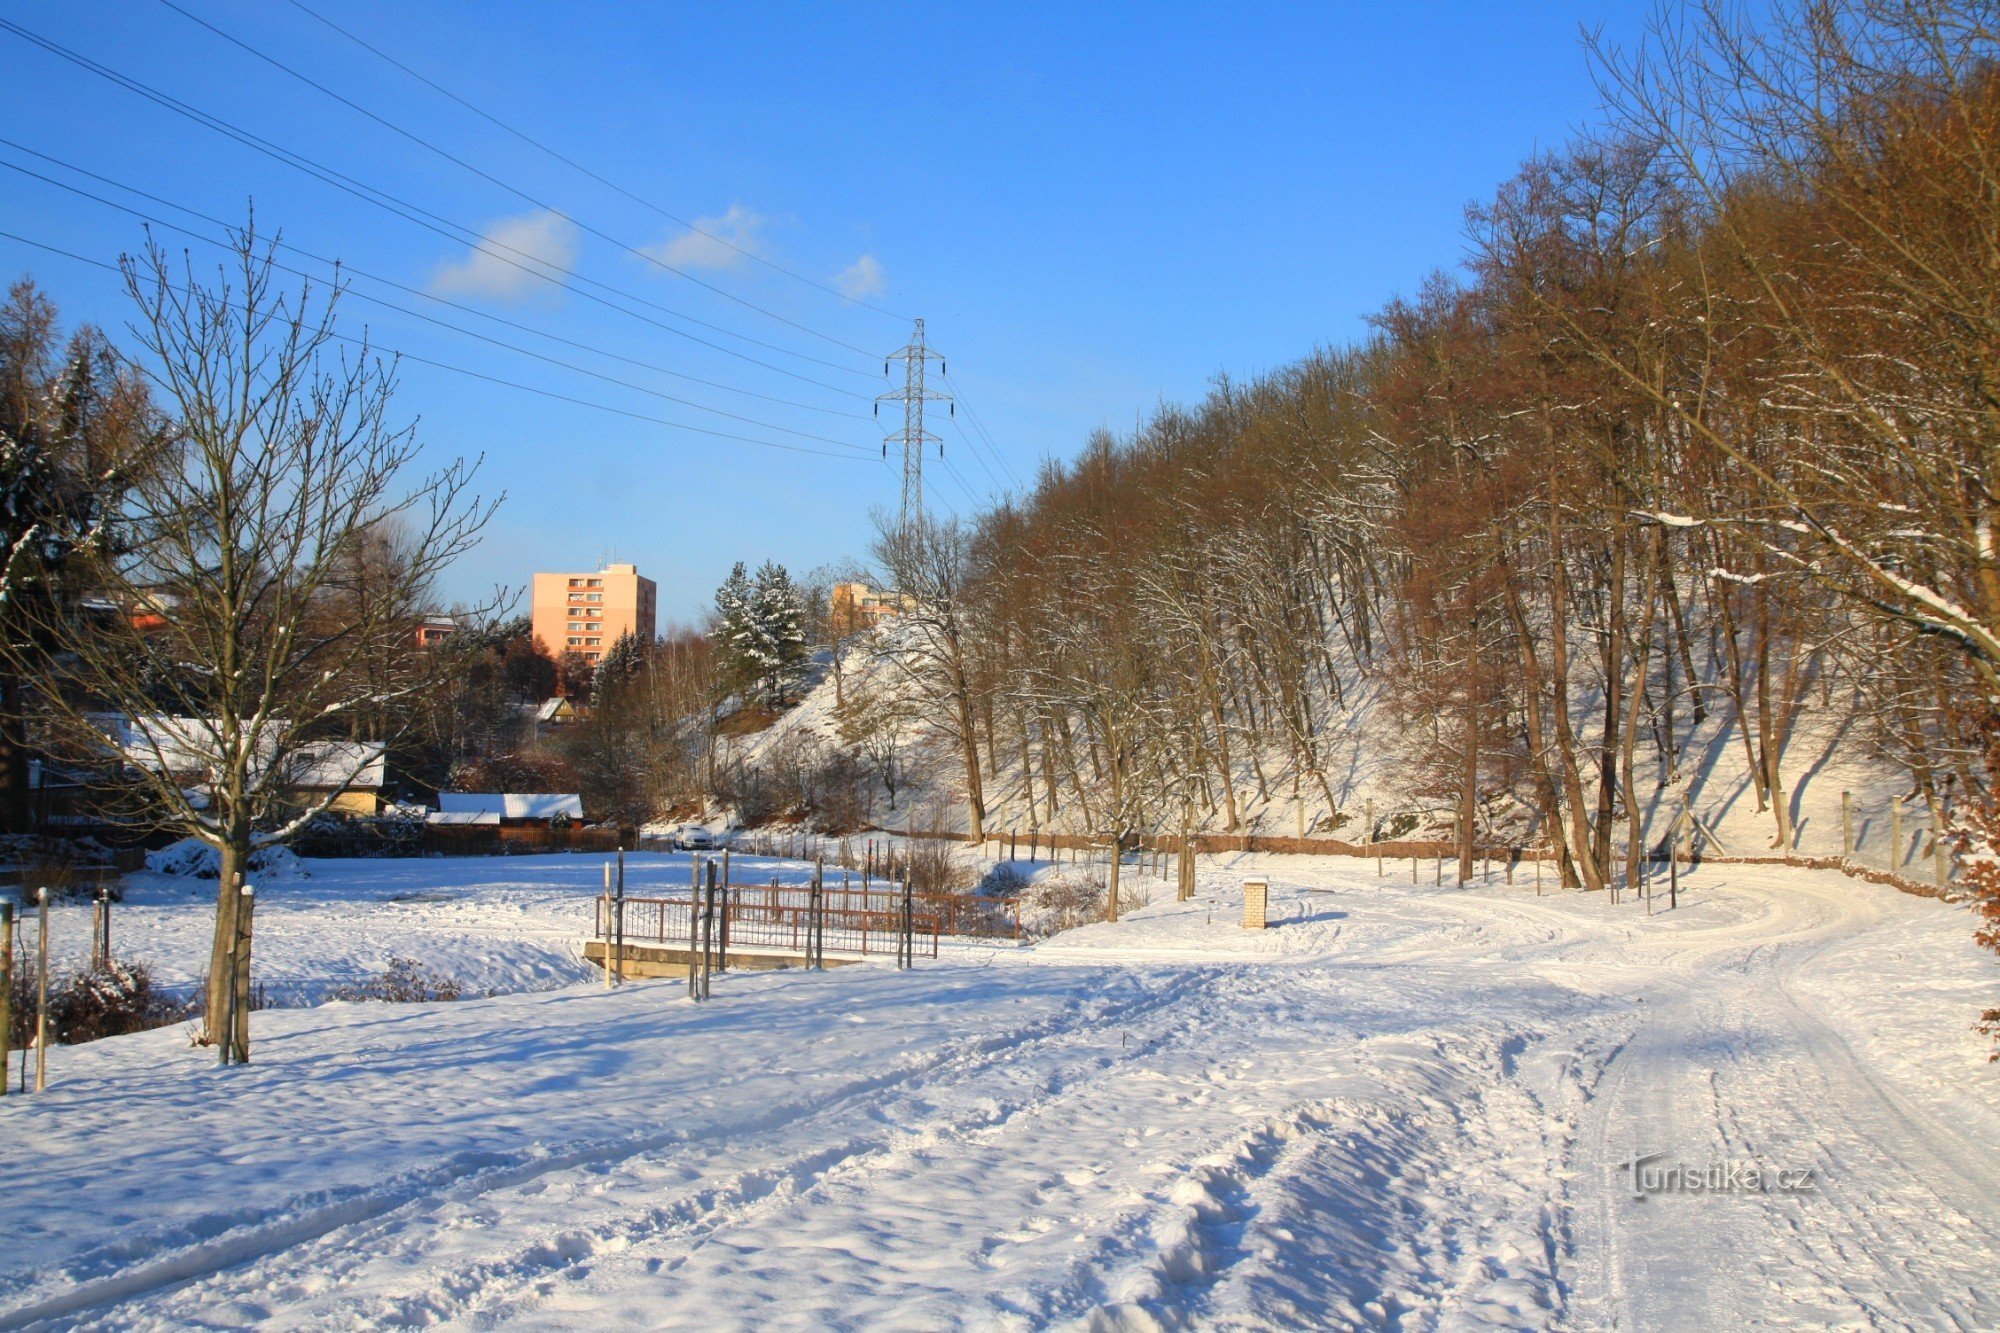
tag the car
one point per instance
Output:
(692, 838)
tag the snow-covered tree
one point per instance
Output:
(625, 660)
(779, 616)
(760, 633)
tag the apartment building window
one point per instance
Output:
(593, 642)
(595, 597)
(576, 583)
(593, 583)
(576, 643)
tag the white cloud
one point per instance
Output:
(864, 277)
(501, 269)
(720, 242)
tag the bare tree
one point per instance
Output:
(288, 463)
(930, 562)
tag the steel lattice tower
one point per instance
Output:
(913, 395)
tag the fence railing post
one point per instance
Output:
(604, 925)
(6, 987)
(694, 932)
(42, 995)
(618, 918)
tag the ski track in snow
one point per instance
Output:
(1404, 1107)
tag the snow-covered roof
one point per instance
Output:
(553, 708)
(512, 805)
(462, 817)
(184, 745)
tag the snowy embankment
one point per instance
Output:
(1403, 1106)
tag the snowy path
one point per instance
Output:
(1405, 1107)
(1729, 1066)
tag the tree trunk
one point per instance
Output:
(221, 959)
(15, 813)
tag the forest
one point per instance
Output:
(1703, 433)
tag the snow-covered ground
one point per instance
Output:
(1404, 1106)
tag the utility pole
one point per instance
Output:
(912, 437)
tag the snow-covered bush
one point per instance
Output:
(1060, 900)
(1005, 880)
(196, 859)
(104, 1000)
(332, 835)
(1063, 899)
(32, 849)
(404, 981)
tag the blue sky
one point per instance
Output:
(1095, 211)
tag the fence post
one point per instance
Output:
(1938, 854)
(604, 924)
(1674, 863)
(708, 931)
(97, 931)
(1847, 826)
(245, 915)
(618, 918)
(812, 915)
(1111, 882)
(6, 988)
(909, 928)
(694, 932)
(42, 996)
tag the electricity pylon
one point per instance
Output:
(913, 395)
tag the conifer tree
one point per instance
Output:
(625, 660)
(733, 635)
(780, 628)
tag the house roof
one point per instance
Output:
(461, 817)
(553, 708)
(183, 745)
(512, 805)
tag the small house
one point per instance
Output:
(557, 712)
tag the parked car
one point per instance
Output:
(692, 838)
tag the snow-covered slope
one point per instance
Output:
(1366, 750)
(1403, 1106)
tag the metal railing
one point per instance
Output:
(758, 917)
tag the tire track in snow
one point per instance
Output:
(338, 1237)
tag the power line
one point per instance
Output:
(972, 449)
(510, 188)
(366, 345)
(390, 305)
(980, 426)
(574, 165)
(453, 231)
